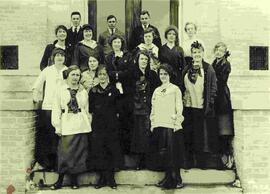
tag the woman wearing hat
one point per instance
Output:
(120, 66)
(46, 140)
(167, 139)
(173, 54)
(60, 42)
(71, 120)
(85, 48)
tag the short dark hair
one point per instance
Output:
(166, 67)
(60, 27)
(101, 67)
(110, 17)
(116, 36)
(75, 13)
(196, 45)
(143, 12)
(70, 69)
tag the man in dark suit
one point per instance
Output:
(104, 37)
(138, 32)
(75, 33)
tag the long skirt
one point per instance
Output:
(46, 141)
(105, 151)
(225, 124)
(167, 149)
(140, 140)
(73, 153)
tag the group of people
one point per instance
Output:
(162, 105)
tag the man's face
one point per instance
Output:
(144, 19)
(76, 20)
(111, 23)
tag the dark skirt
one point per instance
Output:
(105, 153)
(201, 133)
(167, 149)
(46, 141)
(73, 153)
(140, 140)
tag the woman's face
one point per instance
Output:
(87, 34)
(117, 44)
(103, 76)
(59, 58)
(148, 38)
(143, 60)
(93, 63)
(197, 54)
(154, 65)
(171, 36)
(164, 76)
(74, 77)
(220, 52)
(61, 34)
(190, 30)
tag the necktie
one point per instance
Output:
(76, 30)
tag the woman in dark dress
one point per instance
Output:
(85, 48)
(145, 81)
(120, 66)
(61, 42)
(223, 106)
(173, 54)
(71, 120)
(199, 91)
(106, 156)
(167, 139)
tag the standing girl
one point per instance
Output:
(223, 106)
(71, 120)
(166, 118)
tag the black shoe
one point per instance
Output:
(101, 183)
(75, 186)
(56, 186)
(179, 186)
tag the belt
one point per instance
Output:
(70, 111)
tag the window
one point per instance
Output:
(258, 58)
(9, 57)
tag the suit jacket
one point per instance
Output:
(137, 37)
(73, 38)
(104, 37)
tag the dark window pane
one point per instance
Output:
(9, 57)
(258, 58)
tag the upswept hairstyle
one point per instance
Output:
(172, 28)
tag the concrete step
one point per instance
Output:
(131, 189)
(146, 177)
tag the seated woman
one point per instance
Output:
(223, 106)
(60, 42)
(89, 76)
(106, 156)
(71, 120)
(166, 118)
(199, 88)
(46, 139)
(85, 48)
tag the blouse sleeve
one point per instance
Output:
(152, 114)
(57, 113)
(38, 85)
(179, 109)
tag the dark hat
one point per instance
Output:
(87, 27)
(56, 51)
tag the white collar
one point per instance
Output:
(73, 28)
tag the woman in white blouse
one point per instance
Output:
(166, 118)
(71, 120)
(46, 139)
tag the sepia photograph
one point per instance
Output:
(134, 97)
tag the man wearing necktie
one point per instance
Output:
(75, 34)
(104, 37)
(138, 32)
